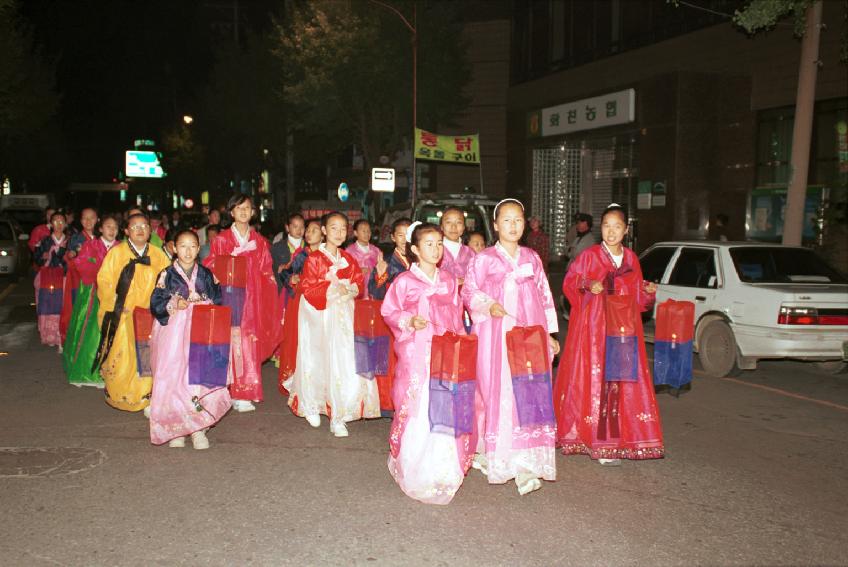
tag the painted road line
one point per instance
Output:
(7, 291)
(788, 394)
(773, 390)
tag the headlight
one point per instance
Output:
(5, 253)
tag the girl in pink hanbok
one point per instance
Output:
(178, 407)
(366, 254)
(506, 287)
(428, 464)
(457, 255)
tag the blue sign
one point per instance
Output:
(344, 192)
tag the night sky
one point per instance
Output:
(128, 70)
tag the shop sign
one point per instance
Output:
(643, 195)
(454, 149)
(658, 194)
(586, 114)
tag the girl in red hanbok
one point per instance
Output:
(325, 379)
(363, 252)
(604, 397)
(506, 292)
(257, 328)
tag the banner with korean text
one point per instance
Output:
(452, 148)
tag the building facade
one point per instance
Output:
(671, 111)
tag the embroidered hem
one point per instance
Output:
(614, 452)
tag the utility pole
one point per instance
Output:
(793, 220)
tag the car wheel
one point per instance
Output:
(717, 350)
(832, 366)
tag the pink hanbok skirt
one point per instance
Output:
(178, 408)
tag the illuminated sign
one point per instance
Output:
(143, 164)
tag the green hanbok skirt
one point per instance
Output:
(82, 340)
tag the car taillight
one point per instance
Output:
(811, 316)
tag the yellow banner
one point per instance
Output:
(455, 149)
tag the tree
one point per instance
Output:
(347, 73)
(28, 101)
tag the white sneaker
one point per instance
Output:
(481, 463)
(243, 406)
(527, 483)
(199, 440)
(609, 462)
(314, 420)
(339, 429)
(177, 442)
(147, 412)
(60, 349)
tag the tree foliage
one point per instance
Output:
(27, 97)
(347, 72)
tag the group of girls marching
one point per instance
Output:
(305, 297)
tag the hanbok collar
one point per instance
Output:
(415, 269)
(337, 260)
(139, 253)
(107, 243)
(295, 243)
(616, 260)
(188, 278)
(364, 249)
(242, 240)
(452, 247)
(503, 251)
(403, 259)
(57, 241)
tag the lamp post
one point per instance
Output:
(412, 28)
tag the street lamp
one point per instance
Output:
(412, 28)
(188, 119)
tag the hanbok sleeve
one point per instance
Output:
(161, 299)
(475, 299)
(576, 283)
(394, 314)
(107, 281)
(644, 300)
(280, 260)
(377, 285)
(42, 251)
(216, 248)
(312, 284)
(357, 280)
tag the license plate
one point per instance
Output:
(845, 350)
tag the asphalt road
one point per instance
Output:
(755, 474)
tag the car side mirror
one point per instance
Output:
(23, 237)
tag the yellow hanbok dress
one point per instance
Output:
(125, 389)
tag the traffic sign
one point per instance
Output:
(383, 179)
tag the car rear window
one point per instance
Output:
(762, 264)
(473, 216)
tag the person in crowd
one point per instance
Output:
(256, 324)
(477, 241)
(125, 281)
(184, 402)
(718, 229)
(87, 232)
(159, 225)
(325, 379)
(538, 241)
(211, 231)
(214, 219)
(507, 293)
(582, 238)
(428, 463)
(169, 246)
(83, 331)
(605, 405)
(283, 252)
(50, 280)
(39, 232)
(366, 254)
(389, 266)
(457, 255)
(291, 278)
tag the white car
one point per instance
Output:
(753, 301)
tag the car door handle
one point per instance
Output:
(700, 298)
